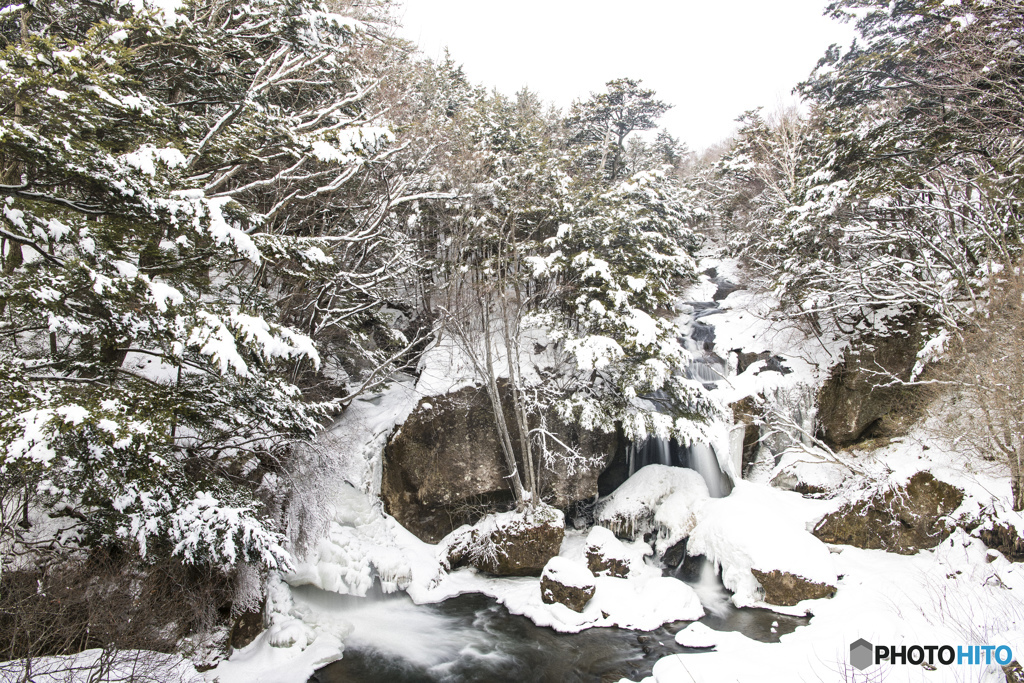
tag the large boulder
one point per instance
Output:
(566, 582)
(444, 466)
(245, 628)
(508, 543)
(863, 398)
(902, 519)
(630, 511)
(787, 589)
(757, 537)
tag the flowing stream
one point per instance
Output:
(474, 638)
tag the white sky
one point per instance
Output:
(712, 59)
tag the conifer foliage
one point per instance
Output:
(173, 178)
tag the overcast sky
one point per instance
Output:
(712, 59)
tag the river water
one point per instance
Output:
(473, 638)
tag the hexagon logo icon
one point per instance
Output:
(861, 652)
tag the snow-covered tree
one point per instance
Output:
(601, 124)
(901, 192)
(178, 228)
(614, 268)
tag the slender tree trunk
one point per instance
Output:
(499, 413)
(1017, 480)
(14, 257)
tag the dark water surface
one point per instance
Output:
(477, 639)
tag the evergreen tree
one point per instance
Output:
(601, 124)
(176, 193)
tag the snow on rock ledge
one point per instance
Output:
(630, 511)
(738, 535)
(565, 582)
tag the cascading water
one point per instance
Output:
(708, 368)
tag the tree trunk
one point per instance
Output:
(1017, 481)
(500, 423)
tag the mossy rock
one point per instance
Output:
(901, 520)
(786, 589)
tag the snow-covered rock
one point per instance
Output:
(676, 517)
(697, 636)
(900, 518)
(606, 555)
(509, 543)
(753, 529)
(630, 510)
(787, 589)
(563, 581)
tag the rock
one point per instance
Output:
(744, 359)
(746, 413)
(630, 511)
(855, 404)
(785, 589)
(444, 466)
(606, 556)
(902, 520)
(748, 534)
(509, 543)
(697, 636)
(566, 582)
(617, 470)
(245, 628)
(674, 555)
(1003, 537)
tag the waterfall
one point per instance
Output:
(705, 367)
(702, 458)
(708, 368)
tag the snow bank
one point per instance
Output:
(950, 595)
(644, 601)
(808, 470)
(261, 662)
(446, 366)
(630, 510)
(753, 529)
